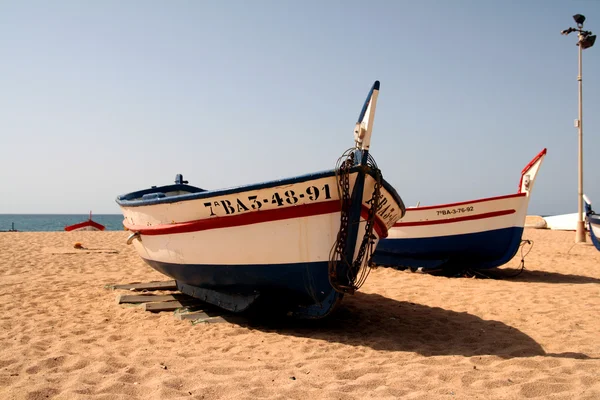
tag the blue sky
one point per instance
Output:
(103, 98)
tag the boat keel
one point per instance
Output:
(233, 302)
(239, 302)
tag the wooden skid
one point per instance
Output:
(124, 298)
(201, 317)
(209, 320)
(187, 308)
(192, 315)
(169, 305)
(166, 285)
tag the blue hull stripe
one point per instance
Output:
(300, 283)
(480, 250)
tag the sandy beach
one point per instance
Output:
(404, 335)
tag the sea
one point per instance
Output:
(56, 222)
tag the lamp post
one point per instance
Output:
(585, 40)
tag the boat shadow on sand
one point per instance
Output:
(386, 324)
(534, 276)
(513, 274)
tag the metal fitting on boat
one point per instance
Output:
(133, 236)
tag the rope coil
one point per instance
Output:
(357, 270)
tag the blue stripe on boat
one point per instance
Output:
(480, 250)
(306, 282)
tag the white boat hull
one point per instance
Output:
(476, 234)
(303, 242)
(227, 242)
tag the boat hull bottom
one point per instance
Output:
(481, 250)
(300, 290)
(234, 302)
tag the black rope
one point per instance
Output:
(358, 269)
(523, 242)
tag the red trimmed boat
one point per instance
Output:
(298, 244)
(88, 225)
(470, 235)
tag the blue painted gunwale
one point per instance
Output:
(481, 250)
(129, 199)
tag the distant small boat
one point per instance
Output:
(476, 234)
(88, 225)
(593, 222)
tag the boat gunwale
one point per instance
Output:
(531, 163)
(475, 217)
(460, 203)
(127, 200)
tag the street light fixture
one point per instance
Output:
(585, 40)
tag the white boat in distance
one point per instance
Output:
(561, 222)
(300, 243)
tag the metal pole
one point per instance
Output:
(580, 234)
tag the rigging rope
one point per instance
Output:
(357, 269)
(522, 266)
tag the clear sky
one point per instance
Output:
(102, 98)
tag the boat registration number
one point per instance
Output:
(285, 197)
(453, 211)
(282, 198)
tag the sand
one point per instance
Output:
(404, 335)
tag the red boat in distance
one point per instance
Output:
(88, 225)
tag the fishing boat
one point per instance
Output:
(299, 243)
(89, 225)
(593, 222)
(476, 234)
